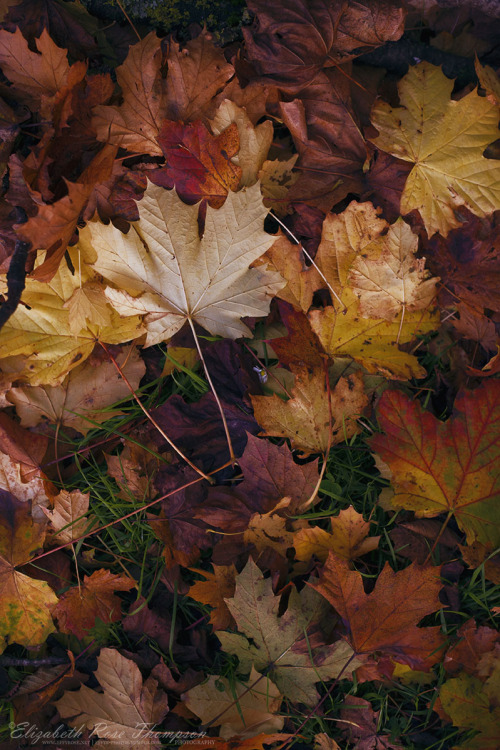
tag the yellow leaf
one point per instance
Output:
(445, 140)
(302, 282)
(162, 270)
(349, 538)
(304, 419)
(88, 304)
(373, 342)
(40, 330)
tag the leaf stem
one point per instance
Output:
(223, 416)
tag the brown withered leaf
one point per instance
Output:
(134, 471)
(80, 606)
(475, 641)
(135, 124)
(196, 74)
(361, 723)
(386, 619)
(348, 539)
(305, 418)
(127, 702)
(302, 281)
(301, 348)
(34, 75)
(329, 140)
(67, 516)
(198, 164)
(218, 586)
(292, 40)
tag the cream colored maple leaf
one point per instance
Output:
(162, 270)
(388, 279)
(445, 140)
(88, 304)
(125, 705)
(238, 708)
(41, 331)
(67, 517)
(84, 396)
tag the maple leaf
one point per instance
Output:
(125, 704)
(386, 619)
(445, 140)
(196, 74)
(293, 40)
(302, 282)
(470, 704)
(41, 331)
(349, 538)
(84, 397)
(362, 722)
(80, 606)
(198, 164)
(254, 142)
(329, 140)
(304, 419)
(240, 708)
(475, 641)
(67, 516)
(25, 602)
(217, 586)
(34, 74)
(274, 643)
(135, 124)
(444, 467)
(159, 260)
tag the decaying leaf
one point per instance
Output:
(244, 708)
(305, 419)
(386, 620)
(348, 539)
(80, 606)
(67, 518)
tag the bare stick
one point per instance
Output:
(151, 419)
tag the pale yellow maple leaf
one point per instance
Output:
(33, 491)
(240, 708)
(255, 141)
(445, 140)
(40, 330)
(387, 278)
(125, 704)
(88, 304)
(83, 398)
(163, 270)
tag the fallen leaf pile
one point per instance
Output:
(249, 426)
